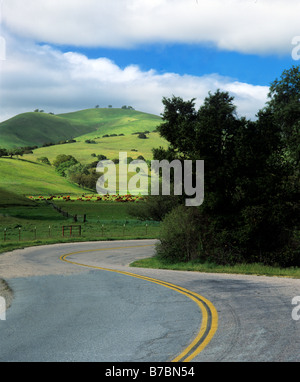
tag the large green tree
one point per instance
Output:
(284, 105)
(250, 210)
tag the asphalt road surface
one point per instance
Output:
(82, 302)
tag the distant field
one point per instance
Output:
(110, 147)
(25, 221)
(22, 226)
(97, 212)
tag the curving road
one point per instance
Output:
(82, 302)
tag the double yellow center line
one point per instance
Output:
(209, 322)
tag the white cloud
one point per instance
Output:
(35, 76)
(248, 26)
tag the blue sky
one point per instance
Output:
(66, 55)
(196, 60)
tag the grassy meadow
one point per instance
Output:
(110, 147)
(31, 221)
(24, 177)
(112, 121)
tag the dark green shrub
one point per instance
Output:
(153, 207)
(44, 160)
(142, 136)
(180, 235)
(101, 157)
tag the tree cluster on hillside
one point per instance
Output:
(251, 208)
(90, 141)
(62, 142)
(124, 107)
(19, 151)
(83, 175)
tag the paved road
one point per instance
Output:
(63, 311)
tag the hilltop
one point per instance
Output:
(113, 121)
(39, 128)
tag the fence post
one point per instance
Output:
(19, 233)
(146, 229)
(34, 233)
(4, 234)
(49, 231)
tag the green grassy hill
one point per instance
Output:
(36, 129)
(110, 147)
(25, 176)
(112, 121)
(25, 222)
(28, 177)
(22, 177)
(8, 198)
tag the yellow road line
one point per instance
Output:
(209, 323)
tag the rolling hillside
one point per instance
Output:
(8, 198)
(26, 176)
(110, 147)
(36, 129)
(22, 177)
(112, 121)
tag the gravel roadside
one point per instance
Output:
(6, 292)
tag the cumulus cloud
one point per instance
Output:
(39, 76)
(248, 26)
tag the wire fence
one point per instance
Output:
(68, 230)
